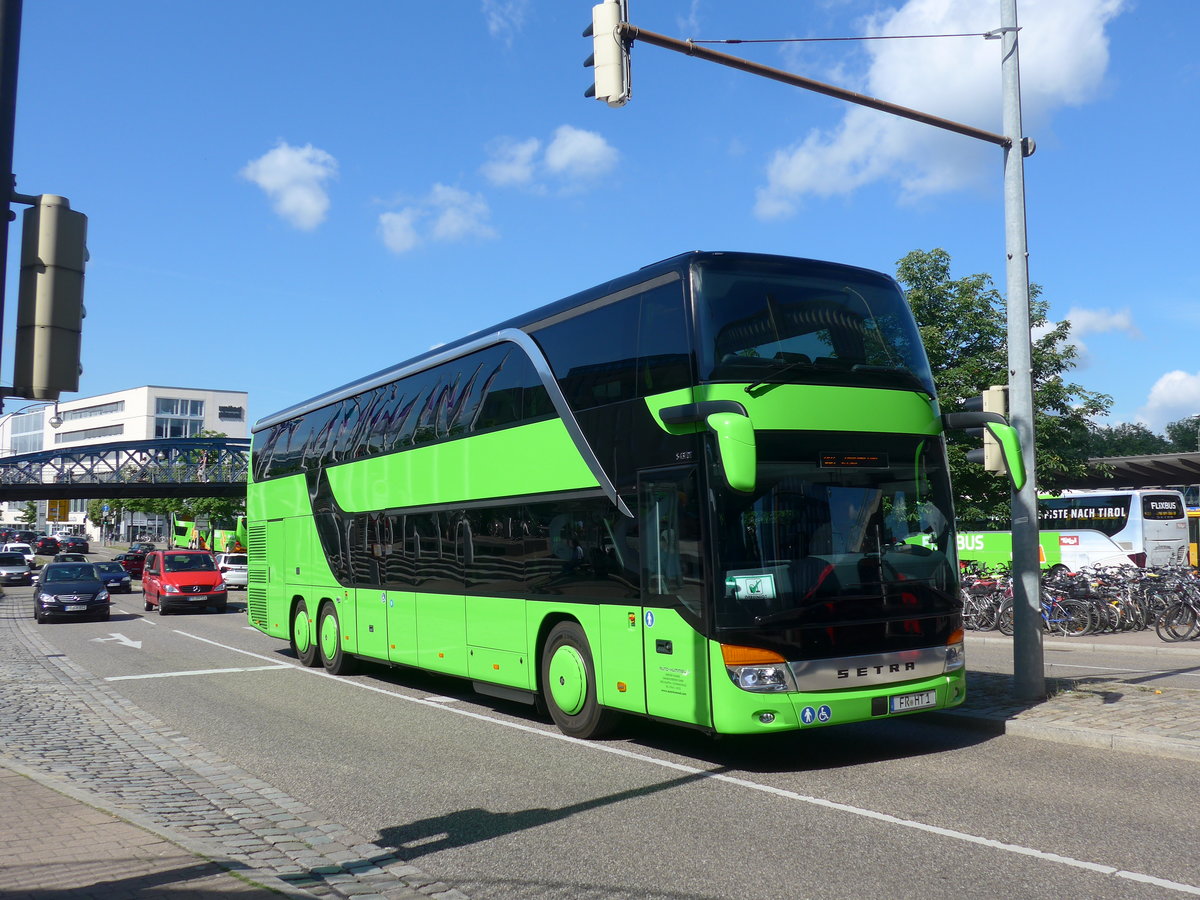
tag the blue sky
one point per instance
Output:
(284, 196)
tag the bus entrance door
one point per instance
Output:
(672, 586)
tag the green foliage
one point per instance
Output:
(1126, 439)
(29, 515)
(963, 323)
(1184, 435)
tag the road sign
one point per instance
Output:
(58, 510)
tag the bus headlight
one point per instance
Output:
(758, 670)
(956, 654)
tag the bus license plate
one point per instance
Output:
(75, 607)
(907, 702)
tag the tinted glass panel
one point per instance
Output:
(594, 354)
(788, 321)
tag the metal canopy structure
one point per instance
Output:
(185, 467)
(1153, 470)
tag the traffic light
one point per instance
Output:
(993, 400)
(50, 299)
(610, 53)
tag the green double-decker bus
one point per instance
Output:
(692, 493)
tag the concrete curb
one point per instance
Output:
(1184, 648)
(1146, 745)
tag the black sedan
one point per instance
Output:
(114, 576)
(74, 545)
(70, 590)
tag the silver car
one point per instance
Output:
(232, 567)
(14, 569)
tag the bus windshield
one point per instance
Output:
(837, 524)
(825, 324)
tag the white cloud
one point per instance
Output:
(1093, 321)
(573, 160)
(511, 162)
(1064, 54)
(579, 155)
(1176, 395)
(398, 230)
(447, 214)
(458, 214)
(1097, 321)
(293, 178)
(505, 18)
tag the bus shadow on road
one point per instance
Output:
(473, 826)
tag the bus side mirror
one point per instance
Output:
(1005, 435)
(736, 447)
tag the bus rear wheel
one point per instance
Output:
(303, 644)
(329, 642)
(569, 684)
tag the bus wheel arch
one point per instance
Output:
(329, 641)
(302, 634)
(568, 682)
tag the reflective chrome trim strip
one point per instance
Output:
(507, 335)
(868, 671)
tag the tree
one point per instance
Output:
(1184, 435)
(29, 515)
(1126, 439)
(963, 326)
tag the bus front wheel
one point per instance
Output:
(329, 642)
(303, 644)
(569, 684)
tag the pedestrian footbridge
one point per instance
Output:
(184, 467)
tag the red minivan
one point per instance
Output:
(179, 579)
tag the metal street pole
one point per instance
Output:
(1029, 678)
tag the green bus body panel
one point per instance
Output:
(531, 459)
(402, 627)
(736, 711)
(677, 669)
(620, 672)
(807, 407)
(442, 633)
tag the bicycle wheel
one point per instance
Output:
(1073, 618)
(1178, 623)
(1004, 619)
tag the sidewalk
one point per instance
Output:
(1096, 711)
(102, 801)
(176, 822)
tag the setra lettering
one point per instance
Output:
(889, 668)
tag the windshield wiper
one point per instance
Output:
(751, 388)
(894, 371)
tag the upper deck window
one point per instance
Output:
(806, 322)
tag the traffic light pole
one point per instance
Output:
(1028, 662)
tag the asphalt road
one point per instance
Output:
(489, 798)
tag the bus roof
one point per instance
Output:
(675, 266)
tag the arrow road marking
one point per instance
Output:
(120, 639)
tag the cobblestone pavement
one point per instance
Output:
(171, 820)
(176, 821)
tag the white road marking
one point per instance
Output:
(197, 672)
(1119, 671)
(886, 818)
(120, 639)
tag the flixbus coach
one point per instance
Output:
(684, 494)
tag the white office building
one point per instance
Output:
(142, 413)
